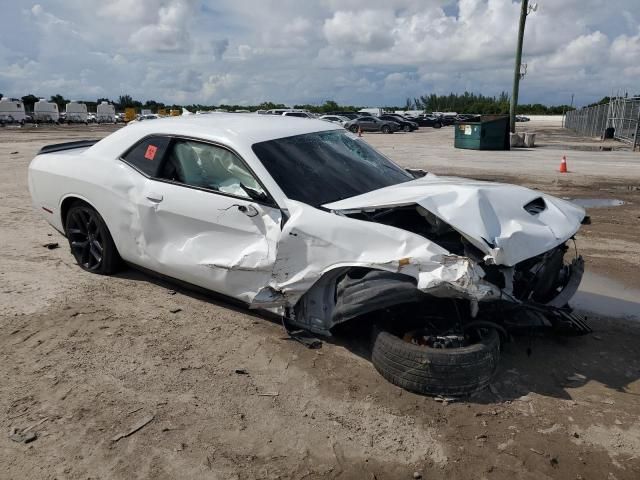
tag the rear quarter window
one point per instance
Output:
(147, 154)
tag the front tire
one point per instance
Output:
(436, 371)
(386, 129)
(90, 241)
(406, 128)
(354, 129)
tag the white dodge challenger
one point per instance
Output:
(305, 219)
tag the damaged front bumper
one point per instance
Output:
(353, 293)
(324, 275)
(556, 315)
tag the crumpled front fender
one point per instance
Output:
(314, 242)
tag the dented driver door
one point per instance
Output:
(199, 223)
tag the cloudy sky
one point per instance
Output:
(366, 52)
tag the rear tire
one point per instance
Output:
(406, 128)
(386, 129)
(437, 125)
(90, 241)
(436, 371)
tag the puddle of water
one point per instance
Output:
(596, 202)
(609, 298)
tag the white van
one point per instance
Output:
(376, 112)
(76, 112)
(44, 111)
(105, 113)
(11, 111)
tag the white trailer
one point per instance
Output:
(76, 112)
(410, 113)
(11, 111)
(105, 113)
(376, 112)
(44, 111)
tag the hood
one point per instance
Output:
(492, 216)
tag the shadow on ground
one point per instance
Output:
(548, 366)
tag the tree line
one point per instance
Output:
(466, 102)
(469, 102)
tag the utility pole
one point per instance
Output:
(564, 111)
(524, 11)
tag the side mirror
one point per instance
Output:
(416, 172)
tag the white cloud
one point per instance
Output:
(370, 30)
(169, 32)
(581, 51)
(292, 51)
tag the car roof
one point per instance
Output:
(234, 130)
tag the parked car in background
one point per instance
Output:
(349, 115)
(288, 111)
(372, 124)
(276, 111)
(468, 117)
(447, 120)
(522, 118)
(428, 121)
(405, 124)
(148, 116)
(340, 120)
(299, 114)
(91, 118)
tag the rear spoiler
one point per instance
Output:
(58, 147)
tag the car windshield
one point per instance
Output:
(323, 167)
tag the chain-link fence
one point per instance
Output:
(588, 121)
(621, 114)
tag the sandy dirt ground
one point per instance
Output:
(116, 386)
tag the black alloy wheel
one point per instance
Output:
(354, 128)
(407, 128)
(90, 241)
(386, 129)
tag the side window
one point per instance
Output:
(208, 166)
(147, 155)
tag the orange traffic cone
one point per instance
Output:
(359, 131)
(563, 164)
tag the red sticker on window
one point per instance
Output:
(151, 152)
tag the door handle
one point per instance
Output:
(154, 197)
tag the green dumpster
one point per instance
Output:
(484, 132)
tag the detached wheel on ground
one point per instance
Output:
(451, 370)
(90, 241)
